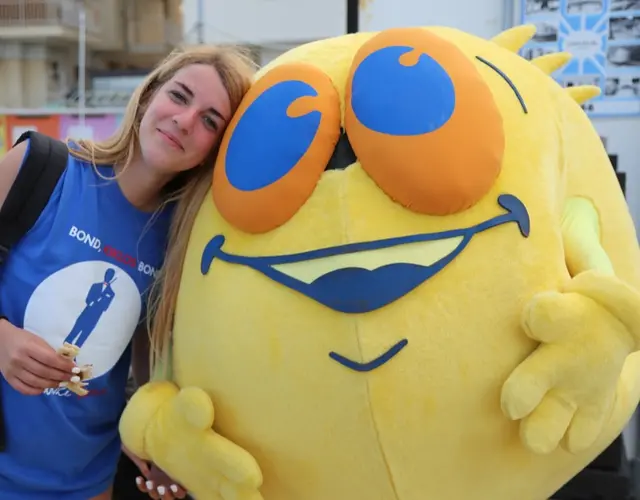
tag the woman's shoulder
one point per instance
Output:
(10, 166)
(79, 161)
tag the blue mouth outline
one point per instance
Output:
(401, 278)
(356, 290)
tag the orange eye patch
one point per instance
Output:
(276, 147)
(423, 122)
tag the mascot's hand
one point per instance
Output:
(565, 390)
(173, 429)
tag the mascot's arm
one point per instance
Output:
(565, 390)
(173, 428)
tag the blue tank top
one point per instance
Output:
(81, 275)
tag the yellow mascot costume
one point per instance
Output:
(416, 278)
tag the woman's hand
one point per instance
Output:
(154, 481)
(29, 364)
(160, 486)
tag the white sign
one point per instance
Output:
(18, 131)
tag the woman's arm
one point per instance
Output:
(9, 167)
(140, 355)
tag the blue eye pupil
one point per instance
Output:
(391, 98)
(267, 143)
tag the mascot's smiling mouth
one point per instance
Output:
(363, 277)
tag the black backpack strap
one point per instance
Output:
(32, 189)
(41, 169)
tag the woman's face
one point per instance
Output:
(184, 120)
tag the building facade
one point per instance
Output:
(39, 47)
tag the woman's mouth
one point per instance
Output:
(171, 140)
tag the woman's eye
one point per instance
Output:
(210, 122)
(177, 96)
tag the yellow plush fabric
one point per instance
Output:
(514, 365)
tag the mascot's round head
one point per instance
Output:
(383, 207)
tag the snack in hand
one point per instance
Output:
(71, 351)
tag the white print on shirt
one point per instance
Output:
(94, 305)
(122, 258)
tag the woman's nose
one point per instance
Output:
(185, 120)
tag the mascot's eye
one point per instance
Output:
(411, 99)
(276, 147)
(423, 122)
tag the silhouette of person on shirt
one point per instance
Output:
(97, 302)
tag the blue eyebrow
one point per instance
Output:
(506, 79)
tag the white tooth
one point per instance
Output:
(424, 253)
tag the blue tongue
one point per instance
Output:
(357, 290)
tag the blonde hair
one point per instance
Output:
(236, 70)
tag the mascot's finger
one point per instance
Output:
(586, 426)
(196, 407)
(231, 461)
(231, 491)
(527, 385)
(617, 297)
(543, 430)
(550, 317)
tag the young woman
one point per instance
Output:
(82, 274)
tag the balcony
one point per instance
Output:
(30, 20)
(140, 30)
(101, 99)
(165, 36)
(152, 29)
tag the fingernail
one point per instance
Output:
(62, 384)
(174, 488)
(149, 485)
(75, 369)
(161, 490)
(75, 379)
(138, 480)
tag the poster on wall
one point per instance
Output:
(97, 127)
(48, 125)
(604, 38)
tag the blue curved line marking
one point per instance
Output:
(356, 290)
(506, 79)
(516, 212)
(371, 365)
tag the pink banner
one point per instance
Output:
(95, 127)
